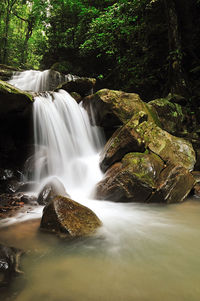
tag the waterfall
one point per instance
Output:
(66, 144)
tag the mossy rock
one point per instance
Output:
(171, 149)
(174, 185)
(7, 89)
(132, 180)
(172, 116)
(123, 141)
(64, 216)
(140, 133)
(113, 108)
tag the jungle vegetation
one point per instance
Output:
(145, 46)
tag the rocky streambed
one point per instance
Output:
(151, 156)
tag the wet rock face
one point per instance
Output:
(81, 85)
(140, 179)
(64, 216)
(139, 134)
(171, 115)
(15, 124)
(9, 264)
(9, 180)
(124, 140)
(133, 180)
(50, 190)
(174, 184)
(112, 108)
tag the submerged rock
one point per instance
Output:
(53, 188)
(9, 264)
(66, 217)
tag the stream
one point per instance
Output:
(142, 252)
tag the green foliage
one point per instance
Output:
(124, 44)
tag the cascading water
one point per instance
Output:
(66, 145)
(144, 252)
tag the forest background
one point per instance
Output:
(146, 46)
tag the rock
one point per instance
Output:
(15, 124)
(171, 149)
(123, 141)
(133, 180)
(10, 204)
(196, 175)
(139, 134)
(197, 165)
(174, 184)
(9, 182)
(26, 187)
(53, 188)
(143, 178)
(55, 78)
(172, 116)
(81, 85)
(76, 96)
(6, 72)
(115, 106)
(9, 264)
(112, 108)
(69, 218)
(13, 98)
(197, 190)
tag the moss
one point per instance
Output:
(6, 88)
(145, 167)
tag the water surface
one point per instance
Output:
(142, 253)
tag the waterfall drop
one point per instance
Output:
(66, 144)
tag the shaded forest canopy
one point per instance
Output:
(145, 46)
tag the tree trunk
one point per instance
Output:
(177, 78)
(25, 48)
(5, 39)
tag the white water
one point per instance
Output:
(39, 81)
(66, 145)
(143, 252)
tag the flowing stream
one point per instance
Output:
(141, 253)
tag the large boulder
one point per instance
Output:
(174, 184)
(112, 108)
(172, 116)
(69, 218)
(124, 140)
(132, 180)
(13, 100)
(145, 178)
(140, 133)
